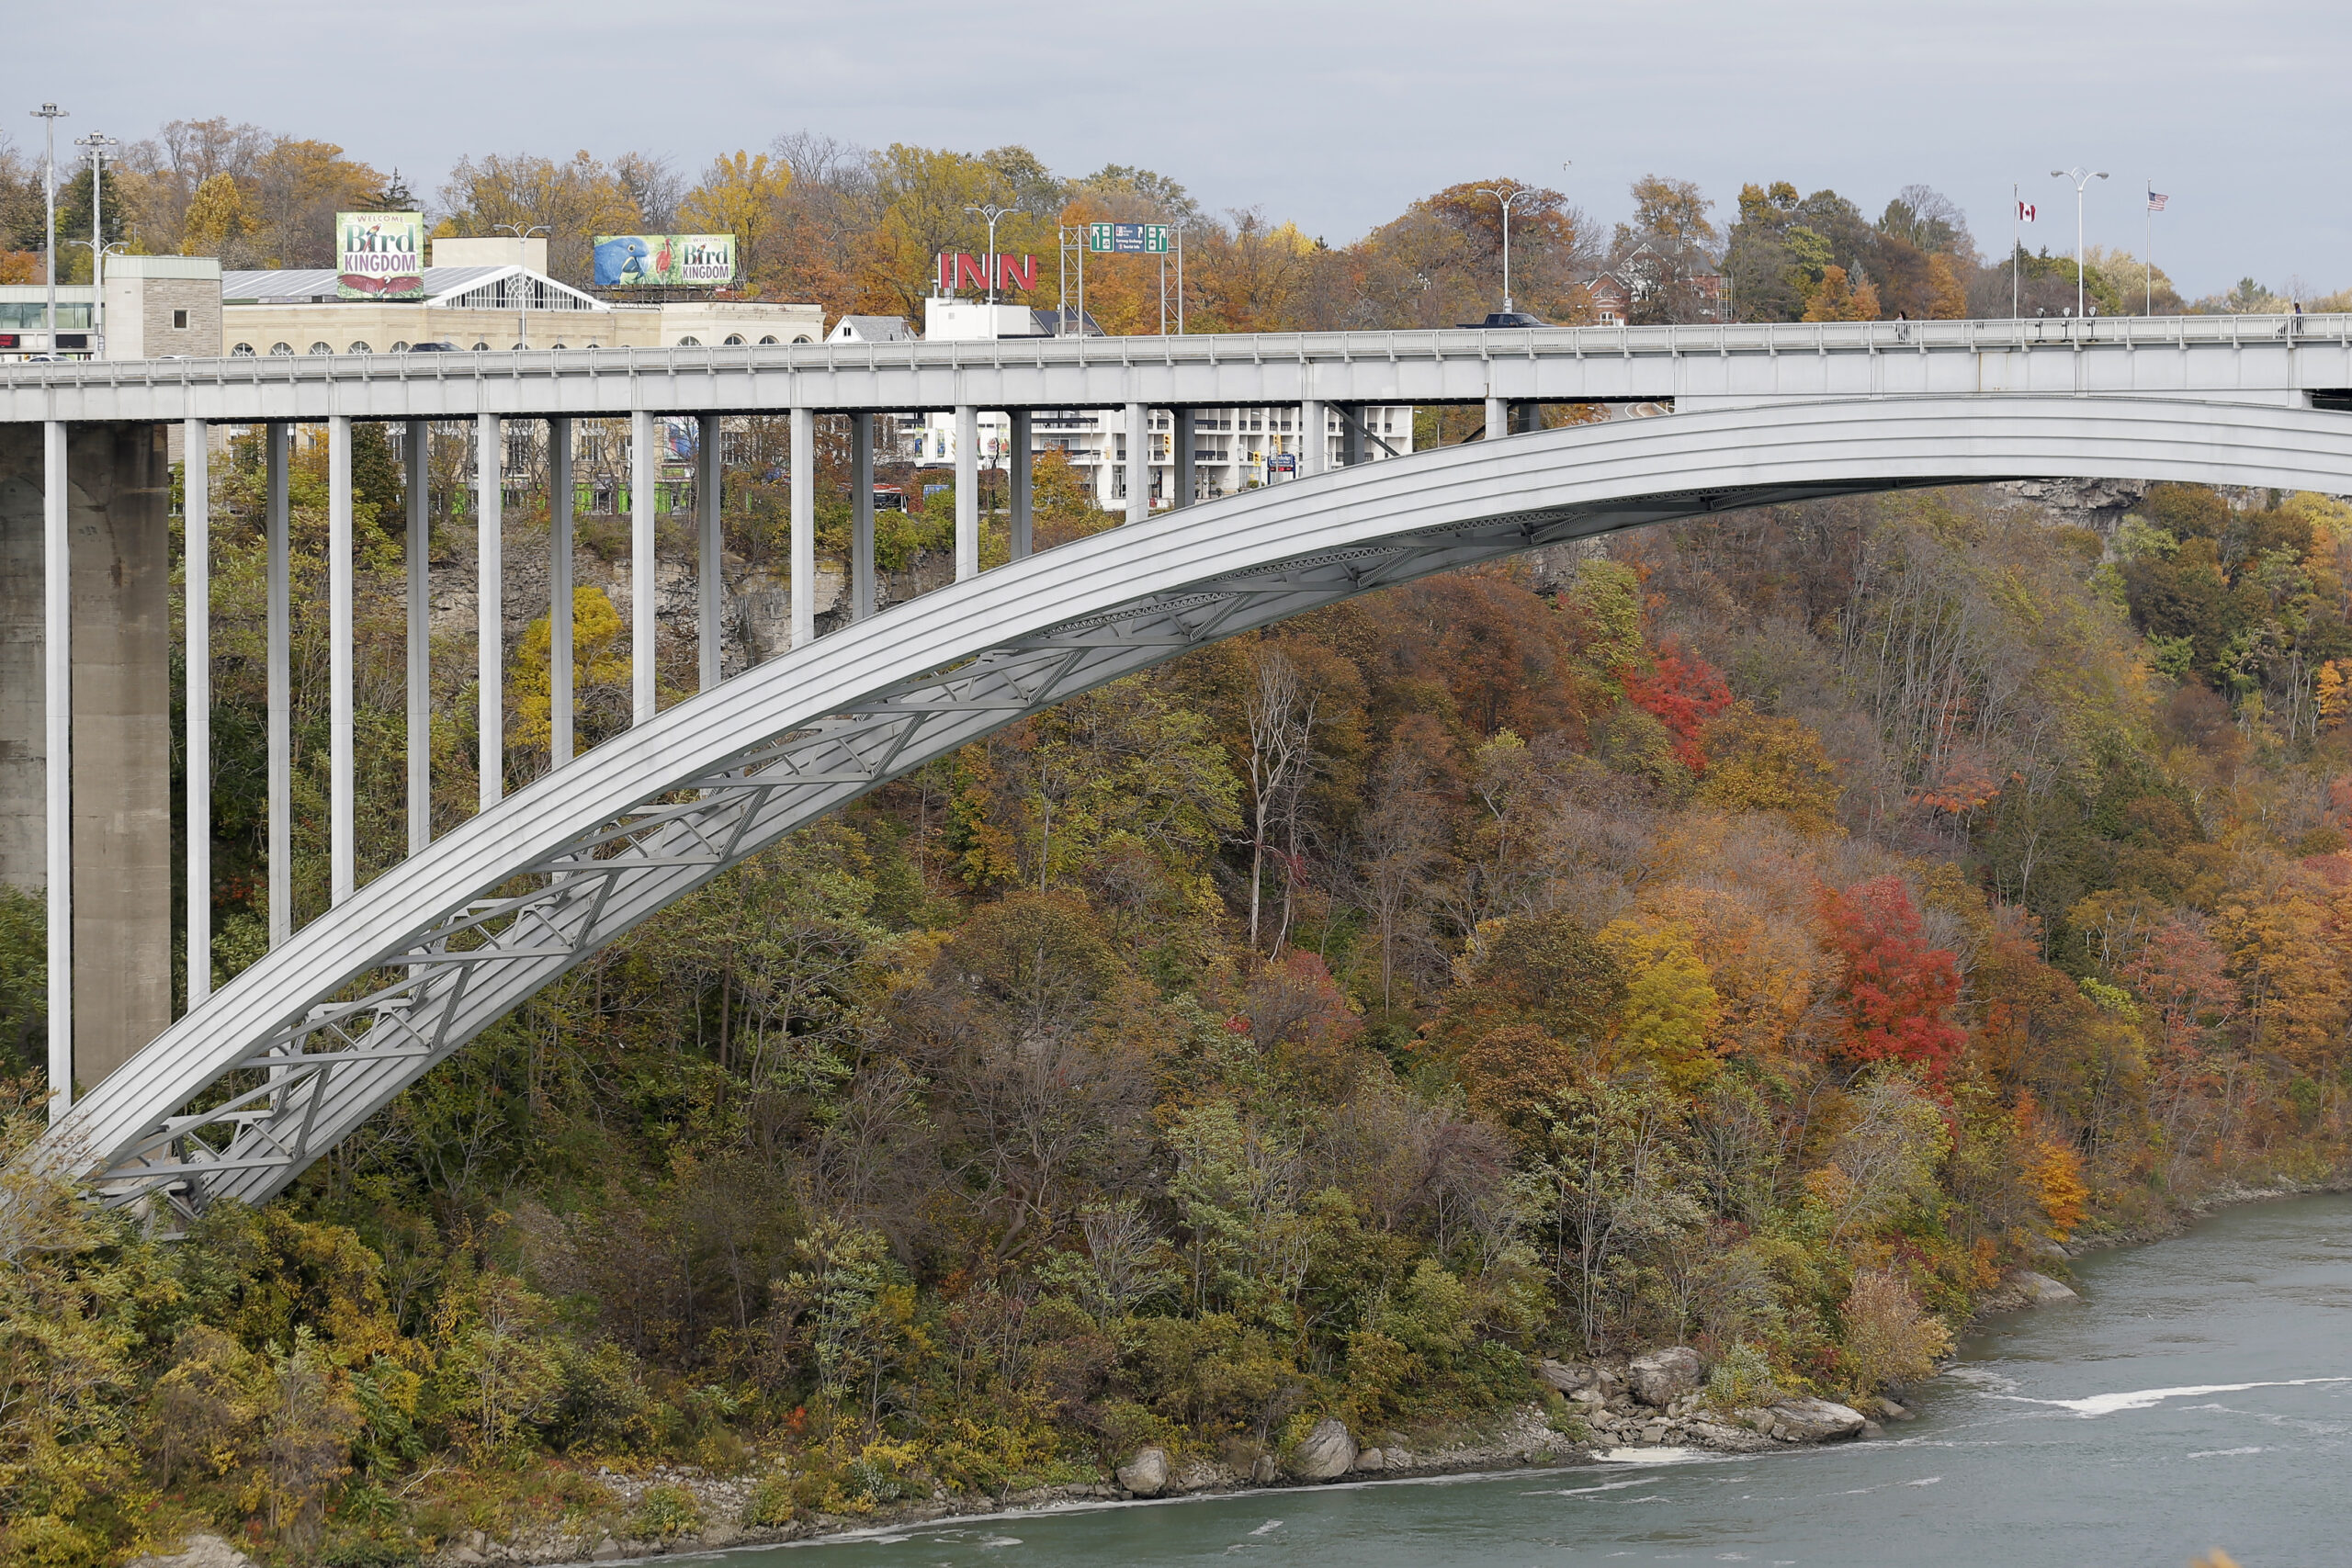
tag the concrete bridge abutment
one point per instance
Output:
(118, 500)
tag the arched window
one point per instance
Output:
(594, 345)
(690, 343)
(242, 351)
(769, 339)
(734, 340)
(401, 347)
(479, 346)
(516, 347)
(558, 345)
(281, 348)
(804, 337)
(322, 349)
(361, 348)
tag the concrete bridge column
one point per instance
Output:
(343, 834)
(644, 474)
(1185, 422)
(1498, 419)
(1139, 462)
(279, 658)
(1314, 440)
(1024, 493)
(560, 536)
(196, 489)
(416, 450)
(85, 679)
(710, 561)
(804, 526)
(490, 603)
(861, 515)
(967, 492)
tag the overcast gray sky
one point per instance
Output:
(1334, 114)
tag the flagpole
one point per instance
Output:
(2016, 243)
(2148, 248)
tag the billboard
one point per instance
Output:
(380, 255)
(674, 261)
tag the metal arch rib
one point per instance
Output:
(239, 1097)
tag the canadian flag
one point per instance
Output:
(2025, 212)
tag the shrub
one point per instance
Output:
(1889, 1341)
(1742, 1376)
(772, 1505)
(666, 1511)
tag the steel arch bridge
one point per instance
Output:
(243, 1093)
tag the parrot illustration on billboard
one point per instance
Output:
(619, 260)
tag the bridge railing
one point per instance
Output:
(1209, 350)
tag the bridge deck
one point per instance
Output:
(2274, 360)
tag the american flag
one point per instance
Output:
(2157, 200)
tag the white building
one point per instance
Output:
(1233, 448)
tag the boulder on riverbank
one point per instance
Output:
(1146, 1475)
(1808, 1421)
(1661, 1377)
(1326, 1453)
(1578, 1377)
(2026, 1289)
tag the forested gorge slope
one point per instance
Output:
(1761, 934)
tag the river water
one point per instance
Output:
(2200, 1396)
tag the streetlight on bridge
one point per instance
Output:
(2080, 179)
(1506, 195)
(522, 236)
(991, 211)
(96, 143)
(49, 114)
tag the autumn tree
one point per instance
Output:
(1895, 989)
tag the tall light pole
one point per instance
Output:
(1506, 195)
(991, 211)
(96, 143)
(52, 113)
(2081, 179)
(522, 235)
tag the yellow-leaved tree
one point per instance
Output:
(1667, 1018)
(742, 195)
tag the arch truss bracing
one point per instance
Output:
(241, 1095)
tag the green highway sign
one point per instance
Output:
(1138, 239)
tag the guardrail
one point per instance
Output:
(1211, 350)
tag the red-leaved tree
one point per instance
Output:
(1896, 988)
(1682, 692)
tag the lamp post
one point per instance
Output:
(2081, 179)
(96, 143)
(1506, 195)
(991, 211)
(51, 114)
(522, 235)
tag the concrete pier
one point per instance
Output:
(119, 498)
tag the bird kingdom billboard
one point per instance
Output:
(380, 255)
(675, 261)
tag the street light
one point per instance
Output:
(52, 113)
(521, 235)
(96, 143)
(2080, 179)
(1506, 195)
(991, 211)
